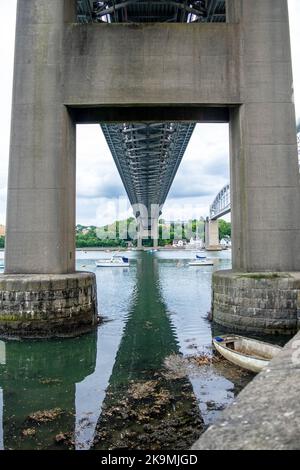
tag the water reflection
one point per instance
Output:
(41, 377)
(142, 408)
(1, 420)
(110, 389)
(186, 292)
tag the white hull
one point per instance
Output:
(202, 263)
(112, 265)
(248, 353)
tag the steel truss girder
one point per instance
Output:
(132, 11)
(221, 204)
(149, 179)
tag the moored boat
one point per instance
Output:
(202, 261)
(114, 262)
(250, 354)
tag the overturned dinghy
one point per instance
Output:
(247, 353)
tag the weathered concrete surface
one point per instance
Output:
(265, 191)
(41, 184)
(266, 414)
(62, 67)
(152, 63)
(256, 302)
(47, 305)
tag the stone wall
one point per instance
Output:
(256, 302)
(47, 305)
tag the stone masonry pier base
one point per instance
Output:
(264, 303)
(47, 306)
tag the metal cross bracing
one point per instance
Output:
(145, 11)
(221, 205)
(85, 11)
(147, 156)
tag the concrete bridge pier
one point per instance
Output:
(154, 230)
(147, 229)
(140, 233)
(41, 293)
(239, 71)
(262, 293)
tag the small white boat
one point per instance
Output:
(202, 261)
(114, 262)
(247, 353)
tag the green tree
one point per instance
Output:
(2, 242)
(224, 229)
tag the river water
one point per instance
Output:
(133, 383)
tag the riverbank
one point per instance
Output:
(161, 248)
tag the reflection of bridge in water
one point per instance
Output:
(49, 375)
(140, 399)
(41, 376)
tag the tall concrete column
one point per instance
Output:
(41, 187)
(212, 242)
(261, 293)
(265, 190)
(139, 242)
(154, 231)
(139, 234)
(40, 292)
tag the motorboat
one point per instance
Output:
(250, 354)
(115, 262)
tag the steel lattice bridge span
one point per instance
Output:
(221, 204)
(149, 11)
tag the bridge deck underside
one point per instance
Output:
(146, 11)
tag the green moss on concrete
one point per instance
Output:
(9, 318)
(262, 276)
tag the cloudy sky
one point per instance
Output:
(100, 194)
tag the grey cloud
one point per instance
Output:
(112, 190)
(218, 167)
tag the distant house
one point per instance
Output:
(226, 242)
(196, 243)
(2, 230)
(178, 244)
